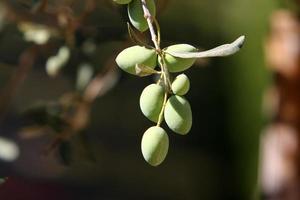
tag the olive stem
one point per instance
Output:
(149, 19)
(160, 78)
(158, 31)
(165, 76)
(156, 41)
(165, 73)
(161, 114)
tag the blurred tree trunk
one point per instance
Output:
(280, 144)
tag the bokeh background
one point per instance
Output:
(218, 159)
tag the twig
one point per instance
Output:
(149, 19)
(156, 40)
(161, 114)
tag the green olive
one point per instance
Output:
(181, 85)
(151, 101)
(178, 114)
(155, 145)
(179, 64)
(122, 1)
(136, 14)
(131, 56)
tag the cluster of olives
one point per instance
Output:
(160, 101)
(164, 100)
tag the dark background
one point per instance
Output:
(218, 159)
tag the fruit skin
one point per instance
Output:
(179, 64)
(181, 85)
(131, 56)
(136, 14)
(178, 114)
(122, 1)
(155, 145)
(151, 101)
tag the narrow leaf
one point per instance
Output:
(220, 51)
(133, 36)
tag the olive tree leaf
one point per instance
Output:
(135, 38)
(220, 51)
(143, 70)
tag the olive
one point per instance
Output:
(155, 145)
(136, 13)
(130, 57)
(151, 101)
(178, 114)
(181, 85)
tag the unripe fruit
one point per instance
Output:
(131, 56)
(155, 145)
(122, 1)
(151, 101)
(178, 114)
(136, 14)
(181, 85)
(179, 64)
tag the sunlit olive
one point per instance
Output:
(131, 56)
(136, 14)
(181, 85)
(151, 101)
(178, 114)
(122, 1)
(175, 64)
(155, 145)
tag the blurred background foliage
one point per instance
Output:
(218, 159)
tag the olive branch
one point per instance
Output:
(164, 100)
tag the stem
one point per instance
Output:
(158, 30)
(149, 19)
(156, 41)
(165, 74)
(161, 114)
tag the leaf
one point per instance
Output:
(135, 38)
(143, 70)
(220, 51)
